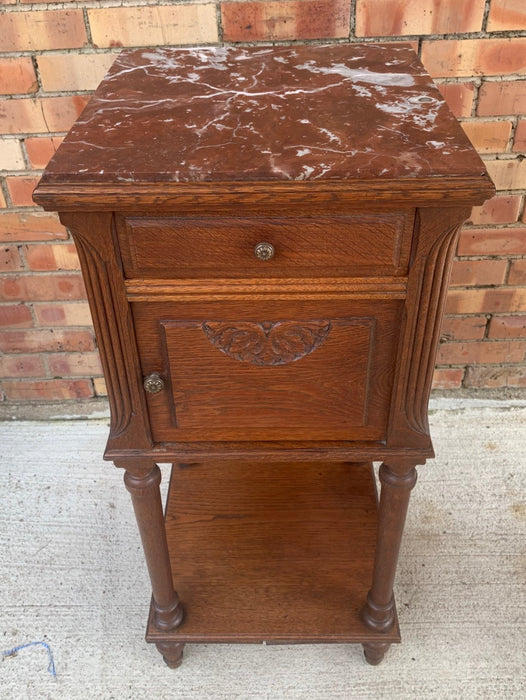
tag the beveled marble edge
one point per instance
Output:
(169, 195)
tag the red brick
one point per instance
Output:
(506, 14)
(459, 97)
(30, 226)
(488, 137)
(69, 314)
(463, 328)
(15, 316)
(100, 386)
(44, 256)
(40, 149)
(502, 98)
(22, 366)
(48, 390)
(11, 156)
(448, 378)
(10, 259)
(509, 174)
(21, 190)
(40, 115)
(452, 58)
(46, 340)
(74, 364)
(30, 2)
(278, 21)
(22, 116)
(17, 76)
(61, 112)
(517, 272)
(476, 301)
(495, 377)
(519, 140)
(42, 287)
(482, 273)
(42, 29)
(68, 71)
(507, 327)
(149, 26)
(492, 241)
(399, 17)
(3, 204)
(501, 209)
(483, 352)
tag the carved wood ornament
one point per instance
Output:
(267, 343)
(97, 281)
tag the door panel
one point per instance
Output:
(301, 371)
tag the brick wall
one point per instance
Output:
(53, 54)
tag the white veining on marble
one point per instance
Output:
(423, 115)
(290, 113)
(363, 75)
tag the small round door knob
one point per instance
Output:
(264, 251)
(153, 383)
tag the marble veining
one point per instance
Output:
(264, 113)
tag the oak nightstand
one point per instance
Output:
(266, 235)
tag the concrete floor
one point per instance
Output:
(72, 575)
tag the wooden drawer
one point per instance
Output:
(288, 371)
(337, 246)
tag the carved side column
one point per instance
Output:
(94, 236)
(378, 612)
(143, 486)
(436, 234)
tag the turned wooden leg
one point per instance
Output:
(374, 652)
(144, 489)
(378, 612)
(172, 653)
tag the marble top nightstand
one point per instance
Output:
(266, 235)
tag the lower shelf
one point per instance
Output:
(276, 553)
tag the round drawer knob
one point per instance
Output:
(264, 251)
(153, 383)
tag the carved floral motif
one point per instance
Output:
(267, 343)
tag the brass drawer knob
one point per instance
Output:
(153, 383)
(264, 251)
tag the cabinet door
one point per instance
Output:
(270, 371)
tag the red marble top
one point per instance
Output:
(316, 112)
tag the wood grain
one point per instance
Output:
(256, 290)
(283, 556)
(434, 247)
(94, 237)
(186, 247)
(340, 391)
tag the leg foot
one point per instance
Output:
(172, 653)
(374, 652)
